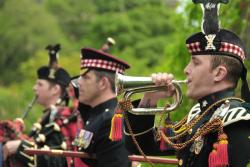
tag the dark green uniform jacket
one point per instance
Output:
(236, 122)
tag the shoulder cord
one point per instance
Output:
(138, 134)
(126, 105)
(207, 128)
(134, 139)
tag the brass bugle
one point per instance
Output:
(130, 85)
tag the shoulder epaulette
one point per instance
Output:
(232, 115)
(236, 114)
(195, 110)
(229, 114)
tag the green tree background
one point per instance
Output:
(150, 35)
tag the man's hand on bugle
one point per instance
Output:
(150, 99)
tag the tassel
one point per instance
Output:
(169, 126)
(116, 126)
(162, 141)
(168, 131)
(219, 156)
(222, 150)
(213, 157)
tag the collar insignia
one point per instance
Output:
(204, 103)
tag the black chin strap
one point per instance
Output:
(245, 93)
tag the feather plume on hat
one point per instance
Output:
(53, 72)
(210, 8)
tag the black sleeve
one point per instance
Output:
(239, 143)
(110, 153)
(146, 141)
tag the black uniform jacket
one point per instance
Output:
(236, 126)
(97, 120)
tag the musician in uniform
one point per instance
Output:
(98, 102)
(215, 132)
(57, 127)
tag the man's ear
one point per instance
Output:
(55, 89)
(103, 83)
(220, 73)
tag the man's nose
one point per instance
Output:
(34, 87)
(187, 70)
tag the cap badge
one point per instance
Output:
(210, 40)
(210, 6)
(52, 73)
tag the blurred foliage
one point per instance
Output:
(25, 27)
(150, 35)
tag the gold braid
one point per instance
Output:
(181, 122)
(207, 128)
(126, 105)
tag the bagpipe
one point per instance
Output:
(13, 130)
(63, 123)
(62, 128)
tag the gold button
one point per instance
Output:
(180, 162)
(190, 131)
